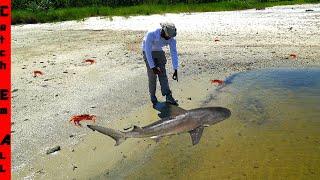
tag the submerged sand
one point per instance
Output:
(210, 46)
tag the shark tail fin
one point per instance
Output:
(118, 136)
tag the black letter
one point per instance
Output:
(1, 169)
(3, 27)
(2, 53)
(1, 39)
(6, 140)
(3, 94)
(2, 65)
(1, 156)
(3, 111)
(2, 10)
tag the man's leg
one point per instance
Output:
(152, 79)
(163, 78)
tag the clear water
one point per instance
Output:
(273, 133)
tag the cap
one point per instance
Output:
(169, 29)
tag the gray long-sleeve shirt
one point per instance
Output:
(154, 42)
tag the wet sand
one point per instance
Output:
(115, 87)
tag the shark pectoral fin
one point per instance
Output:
(196, 135)
(156, 138)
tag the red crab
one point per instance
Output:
(77, 118)
(37, 73)
(219, 82)
(91, 61)
(293, 56)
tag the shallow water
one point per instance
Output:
(273, 133)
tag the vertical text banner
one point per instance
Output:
(5, 89)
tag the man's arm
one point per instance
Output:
(174, 57)
(148, 49)
(174, 54)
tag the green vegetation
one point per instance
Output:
(35, 11)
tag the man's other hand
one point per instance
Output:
(156, 70)
(175, 75)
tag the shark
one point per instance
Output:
(175, 120)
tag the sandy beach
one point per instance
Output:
(211, 45)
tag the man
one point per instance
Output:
(155, 60)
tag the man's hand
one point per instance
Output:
(175, 75)
(156, 70)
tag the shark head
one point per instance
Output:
(215, 115)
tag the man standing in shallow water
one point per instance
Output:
(156, 61)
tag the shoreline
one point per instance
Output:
(96, 157)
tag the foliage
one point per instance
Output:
(47, 4)
(34, 11)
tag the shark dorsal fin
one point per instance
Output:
(196, 135)
(137, 128)
(175, 110)
(169, 110)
